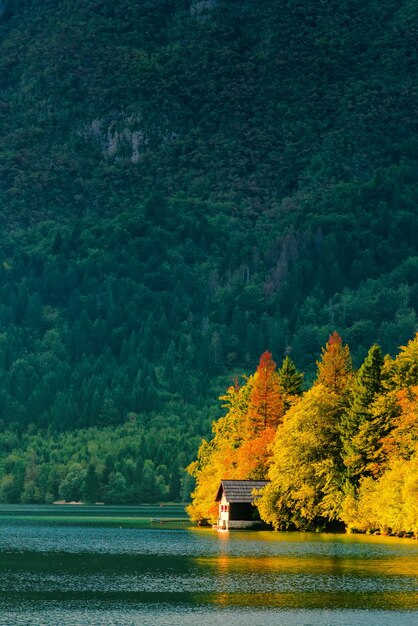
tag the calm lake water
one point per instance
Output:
(117, 566)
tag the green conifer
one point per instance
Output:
(290, 380)
(354, 424)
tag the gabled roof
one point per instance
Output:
(239, 490)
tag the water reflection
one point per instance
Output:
(140, 576)
(395, 601)
(314, 571)
(385, 567)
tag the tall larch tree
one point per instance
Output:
(265, 408)
(265, 412)
(334, 368)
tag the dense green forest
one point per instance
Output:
(184, 184)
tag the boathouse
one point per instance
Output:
(236, 504)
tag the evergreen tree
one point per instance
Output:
(356, 444)
(290, 380)
(90, 488)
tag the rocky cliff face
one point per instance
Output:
(200, 7)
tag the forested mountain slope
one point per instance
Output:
(184, 184)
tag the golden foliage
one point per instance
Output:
(341, 452)
(390, 504)
(304, 470)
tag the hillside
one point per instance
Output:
(185, 184)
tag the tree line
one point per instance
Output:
(127, 464)
(343, 452)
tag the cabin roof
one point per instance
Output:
(239, 490)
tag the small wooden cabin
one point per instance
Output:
(236, 504)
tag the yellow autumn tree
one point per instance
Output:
(306, 471)
(216, 459)
(390, 502)
(403, 371)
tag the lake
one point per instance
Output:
(76, 565)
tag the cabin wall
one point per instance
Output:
(223, 515)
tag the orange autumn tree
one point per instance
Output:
(266, 404)
(265, 412)
(241, 446)
(334, 369)
(402, 441)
